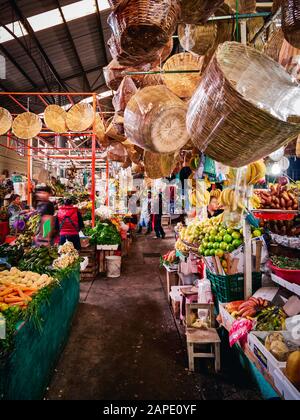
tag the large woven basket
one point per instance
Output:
(125, 92)
(276, 5)
(142, 27)
(114, 3)
(112, 132)
(114, 74)
(197, 39)
(183, 84)
(291, 21)
(5, 121)
(100, 130)
(117, 153)
(251, 110)
(289, 58)
(27, 125)
(152, 79)
(135, 153)
(273, 46)
(159, 166)
(55, 118)
(80, 117)
(245, 6)
(198, 11)
(155, 120)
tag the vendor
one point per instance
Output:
(44, 206)
(69, 223)
(213, 209)
(14, 209)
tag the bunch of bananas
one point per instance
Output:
(256, 171)
(216, 193)
(229, 199)
(33, 224)
(255, 202)
(181, 247)
(199, 199)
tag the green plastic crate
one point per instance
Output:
(231, 288)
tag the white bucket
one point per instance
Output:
(113, 266)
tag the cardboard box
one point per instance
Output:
(285, 387)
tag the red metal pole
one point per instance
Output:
(93, 192)
(107, 182)
(29, 166)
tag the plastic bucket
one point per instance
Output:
(113, 266)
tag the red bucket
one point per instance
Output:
(292, 276)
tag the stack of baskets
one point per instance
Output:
(251, 110)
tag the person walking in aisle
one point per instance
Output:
(145, 219)
(69, 223)
(159, 231)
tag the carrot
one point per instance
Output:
(13, 300)
(6, 291)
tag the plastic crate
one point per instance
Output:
(231, 288)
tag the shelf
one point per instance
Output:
(294, 288)
(269, 214)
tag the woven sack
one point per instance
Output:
(198, 11)
(155, 120)
(183, 84)
(55, 119)
(27, 125)
(251, 110)
(291, 21)
(5, 121)
(142, 27)
(197, 39)
(80, 117)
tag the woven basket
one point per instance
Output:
(291, 21)
(152, 79)
(114, 74)
(159, 166)
(5, 121)
(183, 84)
(142, 27)
(197, 39)
(251, 110)
(155, 120)
(100, 130)
(125, 92)
(112, 132)
(298, 147)
(114, 3)
(289, 58)
(55, 119)
(276, 5)
(27, 125)
(253, 26)
(135, 153)
(273, 46)
(198, 11)
(80, 117)
(117, 153)
(245, 6)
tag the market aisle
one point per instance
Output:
(125, 343)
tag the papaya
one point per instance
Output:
(293, 368)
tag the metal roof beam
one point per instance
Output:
(86, 85)
(32, 34)
(100, 27)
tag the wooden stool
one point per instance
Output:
(197, 336)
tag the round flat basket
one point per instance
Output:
(251, 110)
(143, 26)
(183, 84)
(197, 39)
(55, 119)
(155, 120)
(198, 11)
(80, 117)
(27, 125)
(5, 121)
(291, 21)
(245, 6)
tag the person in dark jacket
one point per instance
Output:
(159, 231)
(44, 206)
(69, 223)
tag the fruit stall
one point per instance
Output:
(39, 294)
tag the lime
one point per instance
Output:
(230, 248)
(201, 250)
(230, 231)
(219, 238)
(223, 232)
(228, 239)
(237, 243)
(257, 233)
(214, 232)
(217, 245)
(212, 252)
(210, 245)
(207, 253)
(212, 238)
(204, 244)
(236, 235)
(219, 253)
(223, 245)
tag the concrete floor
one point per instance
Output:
(125, 343)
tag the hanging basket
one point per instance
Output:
(289, 58)
(155, 120)
(27, 125)
(198, 11)
(251, 109)
(112, 132)
(245, 6)
(80, 117)
(5, 121)
(273, 46)
(114, 74)
(152, 79)
(142, 27)
(197, 39)
(55, 119)
(100, 130)
(124, 93)
(114, 3)
(183, 84)
(291, 21)
(117, 153)
(159, 166)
